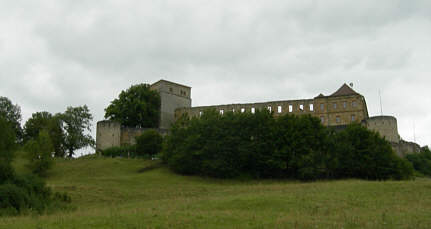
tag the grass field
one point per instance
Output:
(131, 193)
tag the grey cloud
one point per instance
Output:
(67, 52)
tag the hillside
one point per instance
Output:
(131, 193)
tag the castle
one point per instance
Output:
(343, 107)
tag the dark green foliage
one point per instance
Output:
(28, 193)
(364, 154)
(40, 154)
(76, 121)
(138, 106)
(46, 121)
(12, 114)
(7, 145)
(149, 143)
(421, 161)
(21, 194)
(261, 146)
(7, 140)
(120, 151)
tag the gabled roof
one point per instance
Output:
(345, 90)
(169, 82)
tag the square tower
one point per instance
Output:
(172, 96)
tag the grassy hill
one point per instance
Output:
(131, 193)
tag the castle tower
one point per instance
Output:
(172, 96)
(108, 134)
(386, 126)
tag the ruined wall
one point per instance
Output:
(386, 126)
(108, 134)
(332, 111)
(403, 148)
(111, 133)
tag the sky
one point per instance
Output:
(55, 54)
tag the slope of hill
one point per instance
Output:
(131, 193)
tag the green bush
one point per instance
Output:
(28, 193)
(261, 146)
(40, 154)
(120, 151)
(149, 143)
(421, 161)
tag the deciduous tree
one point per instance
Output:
(76, 122)
(52, 124)
(12, 114)
(138, 106)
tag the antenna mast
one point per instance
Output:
(381, 107)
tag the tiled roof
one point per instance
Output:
(345, 90)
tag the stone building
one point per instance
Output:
(339, 109)
(343, 107)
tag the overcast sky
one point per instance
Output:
(55, 54)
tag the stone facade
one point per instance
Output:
(339, 109)
(173, 96)
(386, 126)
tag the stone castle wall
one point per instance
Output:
(386, 126)
(332, 111)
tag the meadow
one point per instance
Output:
(136, 193)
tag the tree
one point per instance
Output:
(75, 121)
(7, 145)
(52, 124)
(40, 153)
(12, 114)
(150, 143)
(138, 106)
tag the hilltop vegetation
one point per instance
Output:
(296, 147)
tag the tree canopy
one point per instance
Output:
(138, 106)
(76, 121)
(262, 146)
(41, 121)
(12, 114)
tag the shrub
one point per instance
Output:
(364, 154)
(421, 161)
(40, 154)
(260, 146)
(149, 143)
(120, 151)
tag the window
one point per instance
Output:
(301, 107)
(337, 119)
(233, 110)
(345, 105)
(354, 104)
(221, 112)
(322, 106)
(242, 110)
(279, 109)
(269, 109)
(322, 119)
(253, 110)
(290, 108)
(353, 118)
(170, 89)
(200, 113)
(335, 105)
(311, 107)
